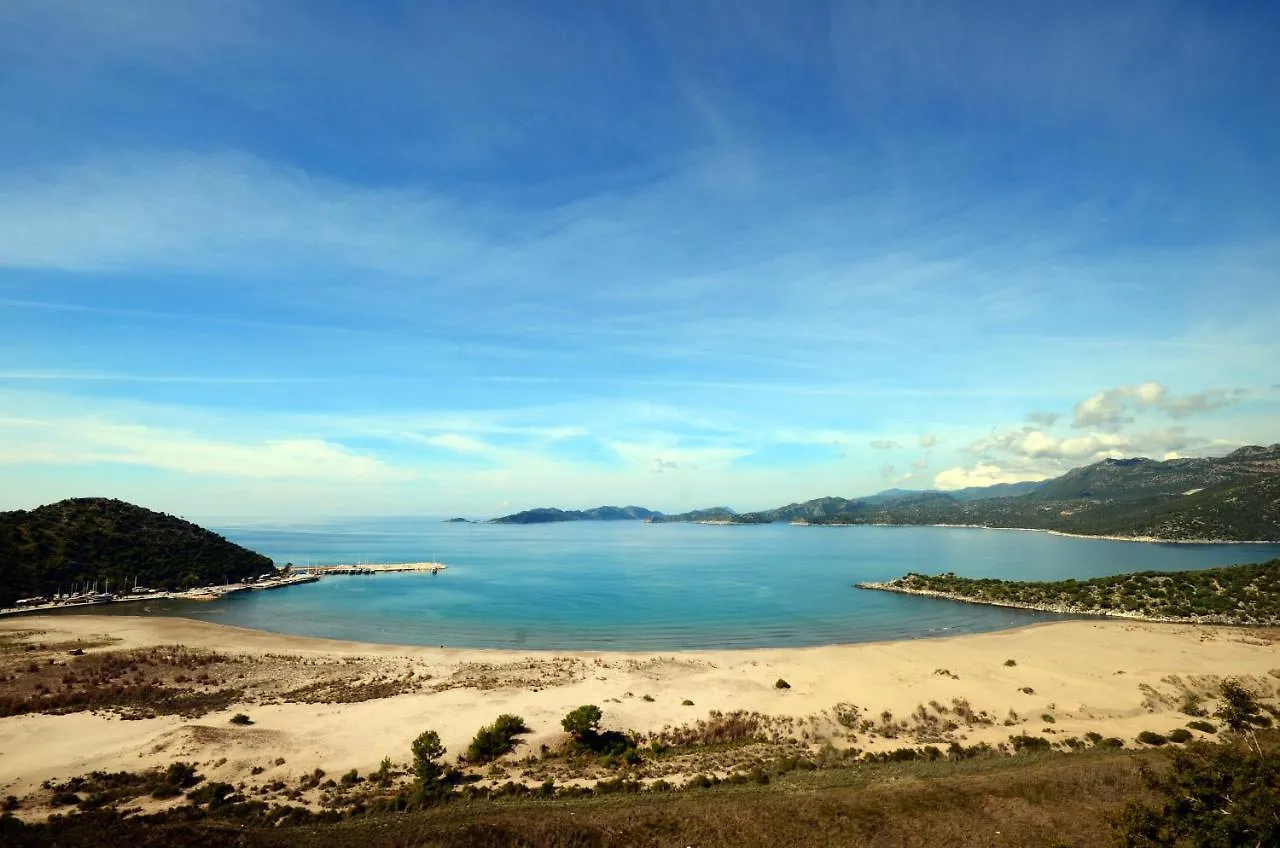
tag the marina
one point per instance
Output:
(294, 577)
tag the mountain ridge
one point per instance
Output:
(1230, 498)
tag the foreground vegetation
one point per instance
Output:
(1240, 594)
(87, 540)
(1101, 797)
(1204, 794)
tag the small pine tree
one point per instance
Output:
(583, 721)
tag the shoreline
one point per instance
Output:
(1151, 540)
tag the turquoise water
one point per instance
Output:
(629, 585)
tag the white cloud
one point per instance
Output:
(228, 212)
(1115, 407)
(884, 444)
(928, 440)
(457, 442)
(82, 441)
(983, 474)
(670, 455)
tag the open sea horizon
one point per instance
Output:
(626, 585)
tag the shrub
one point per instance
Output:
(1027, 690)
(1149, 737)
(1010, 663)
(1180, 735)
(648, 698)
(1239, 708)
(1023, 742)
(582, 721)
(1191, 705)
(1048, 718)
(351, 778)
(686, 703)
(1202, 725)
(382, 776)
(241, 718)
(781, 684)
(497, 739)
(1210, 795)
(1093, 736)
(1111, 742)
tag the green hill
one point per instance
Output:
(548, 515)
(1232, 498)
(97, 539)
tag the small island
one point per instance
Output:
(1241, 594)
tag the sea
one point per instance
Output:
(627, 585)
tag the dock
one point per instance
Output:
(371, 568)
(298, 576)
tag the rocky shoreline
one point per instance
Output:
(1067, 609)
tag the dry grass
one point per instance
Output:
(1040, 800)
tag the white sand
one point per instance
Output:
(1087, 674)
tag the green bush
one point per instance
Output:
(781, 684)
(582, 721)
(241, 718)
(1149, 737)
(1202, 725)
(1023, 742)
(1180, 735)
(1048, 718)
(1211, 795)
(1010, 663)
(497, 739)
(686, 703)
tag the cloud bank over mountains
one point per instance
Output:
(1039, 450)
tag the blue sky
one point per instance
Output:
(318, 258)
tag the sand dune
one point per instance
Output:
(1115, 678)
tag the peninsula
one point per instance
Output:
(1240, 594)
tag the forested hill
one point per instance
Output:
(88, 539)
(547, 515)
(1231, 498)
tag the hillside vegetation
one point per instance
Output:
(96, 539)
(1230, 498)
(1240, 594)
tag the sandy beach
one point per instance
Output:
(1116, 678)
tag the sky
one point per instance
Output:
(316, 259)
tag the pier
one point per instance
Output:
(371, 568)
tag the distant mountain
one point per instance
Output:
(1131, 479)
(1231, 498)
(715, 513)
(972, 493)
(98, 539)
(548, 515)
